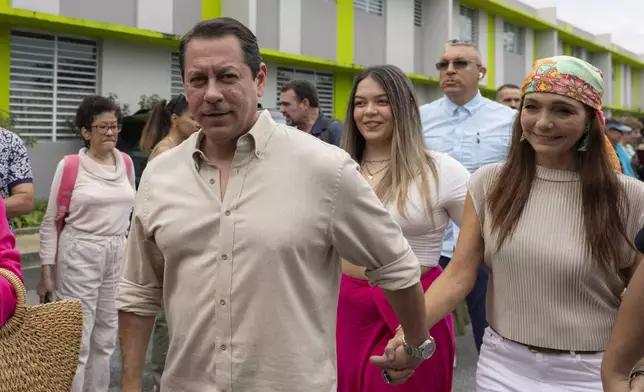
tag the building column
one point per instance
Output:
(546, 44)
(343, 81)
(244, 11)
(482, 45)
(499, 52)
(290, 26)
(529, 46)
(604, 61)
(440, 29)
(210, 9)
(5, 62)
(399, 25)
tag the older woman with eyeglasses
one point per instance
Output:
(99, 184)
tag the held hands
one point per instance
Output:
(395, 362)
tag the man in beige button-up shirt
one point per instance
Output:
(238, 233)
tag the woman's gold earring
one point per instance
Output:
(523, 137)
(583, 144)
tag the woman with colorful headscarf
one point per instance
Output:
(554, 224)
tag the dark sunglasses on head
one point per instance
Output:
(458, 64)
(172, 105)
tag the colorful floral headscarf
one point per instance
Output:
(572, 78)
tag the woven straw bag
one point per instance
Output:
(39, 345)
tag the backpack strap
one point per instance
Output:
(129, 164)
(65, 190)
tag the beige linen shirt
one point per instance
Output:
(250, 283)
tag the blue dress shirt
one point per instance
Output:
(475, 134)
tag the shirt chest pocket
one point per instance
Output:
(493, 146)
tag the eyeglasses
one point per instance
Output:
(458, 64)
(103, 128)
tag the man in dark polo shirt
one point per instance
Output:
(299, 105)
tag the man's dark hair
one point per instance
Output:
(92, 106)
(506, 86)
(218, 28)
(303, 89)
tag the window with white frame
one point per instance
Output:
(176, 85)
(418, 13)
(322, 81)
(49, 77)
(468, 25)
(371, 6)
(513, 38)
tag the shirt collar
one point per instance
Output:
(471, 107)
(254, 140)
(318, 126)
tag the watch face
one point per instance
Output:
(428, 349)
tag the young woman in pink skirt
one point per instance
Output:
(423, 190)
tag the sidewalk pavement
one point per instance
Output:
(29, 246)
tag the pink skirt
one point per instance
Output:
(366, 322)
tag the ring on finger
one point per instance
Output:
(386, 376)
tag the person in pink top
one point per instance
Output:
(423, 190)
(9, 260)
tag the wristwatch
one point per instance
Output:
(424, 351)
(637, 371)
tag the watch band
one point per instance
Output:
(635, 372)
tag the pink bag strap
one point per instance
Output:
(67, 182)
(129, 164)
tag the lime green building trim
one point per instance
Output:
(491, 51)
(342, 83)
(567, 49)
(618, 84)
(566, 34)
(344, 31)
(210, 9)
(5, 64)
(636, 89)
(14, 17)
(5, 4)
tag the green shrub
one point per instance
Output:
(34, 218)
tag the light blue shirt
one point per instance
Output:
(475, 134)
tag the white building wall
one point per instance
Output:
(130, 70)
(47, 6)
(399, 40)
(154, 15)
(482, 41)
(290, 27)
(244, 11)
(421, 93)
(499, 52)
(269, 100)
(529, 50)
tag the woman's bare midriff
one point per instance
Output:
(357, 272)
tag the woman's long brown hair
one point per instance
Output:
(410, 160)
(602, 195)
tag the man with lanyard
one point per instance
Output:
(299, 105)
(473, 130)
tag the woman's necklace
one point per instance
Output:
(378, 161)
(370, 175)
(172, 140)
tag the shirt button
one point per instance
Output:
(222, 302)
(212, 181)
(224, 257)
(227, 212)
(223, 347)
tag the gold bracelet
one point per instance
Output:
(398, 328)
